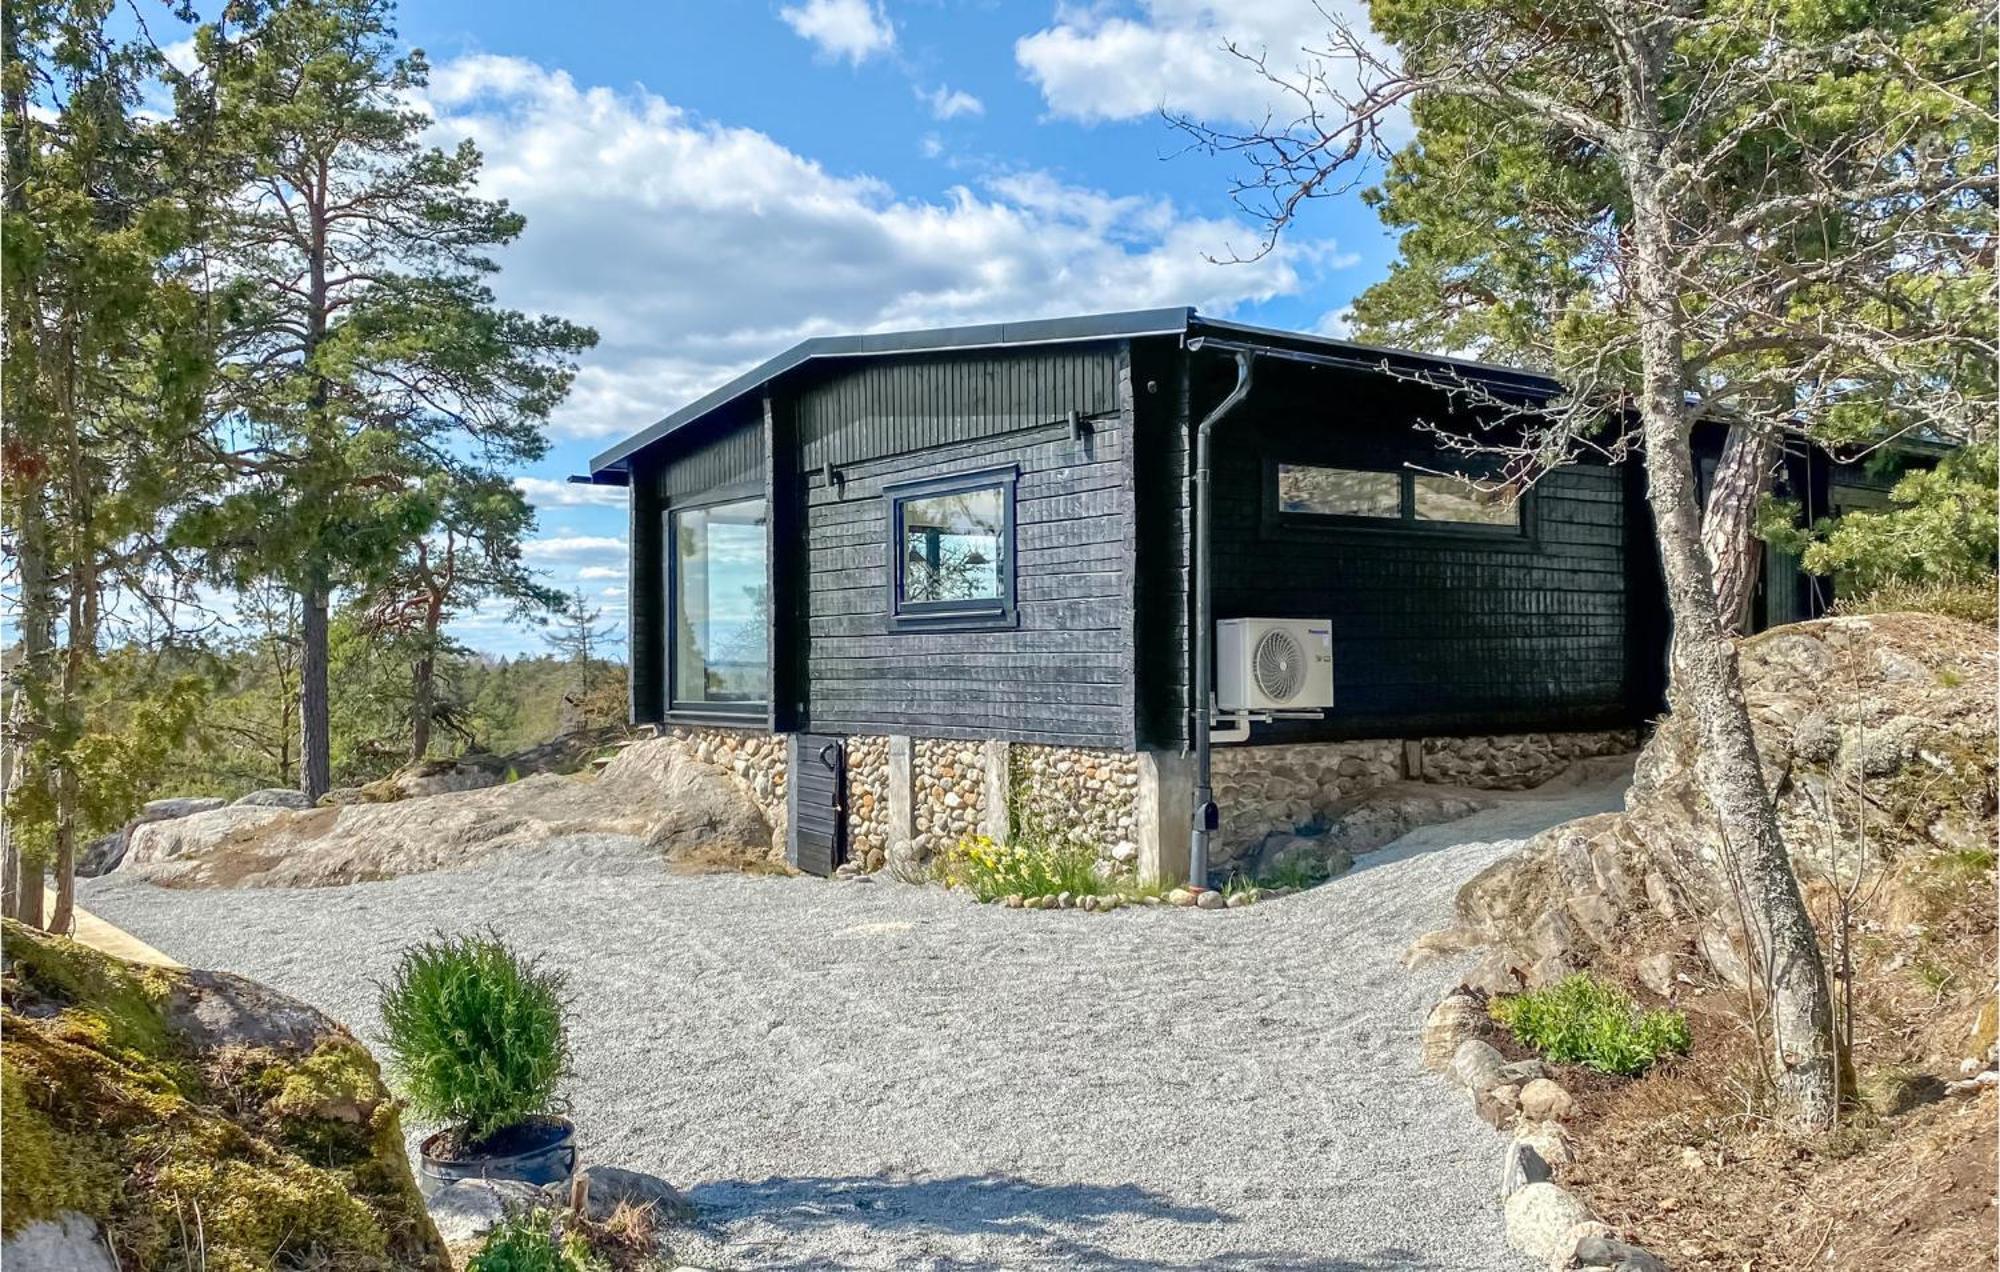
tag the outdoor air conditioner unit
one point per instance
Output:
(1273, 664)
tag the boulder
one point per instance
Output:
(443, 777)
(1522, 1166)
(1540, 1217)
(1656, 972)
(612, 1186)
(1903, 698)
(654, 794)
(101, 855)
(1545, 1101)
(264, 1109)
(178, 806)
(275, 797)
(162, 841)
(67, 1242)
(1600, 1252)
(1478, 1066)
(467, 1209)
(1456, 1018)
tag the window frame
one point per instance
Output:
(1280, 520)
(983, 614)
(734, 712)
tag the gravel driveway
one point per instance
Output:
(875, 1075)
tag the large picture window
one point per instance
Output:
(1308, 494)
(951, 550)
(720, 601)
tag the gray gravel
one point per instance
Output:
(877, 1075)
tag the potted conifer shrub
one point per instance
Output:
(477, 1046)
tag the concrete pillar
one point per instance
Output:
(1413, 759)
(1164, 815)
(791, 799)
(994, 820)
(902, 808)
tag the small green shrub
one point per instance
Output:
(530, 1243)
(1032, 864)
(475, 1034)
(1585, 1021)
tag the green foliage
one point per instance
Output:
(534, 1242)
(1582, 1020)
(1033, 863)
(1939, 530)
(475, 1034)
(1973, 602)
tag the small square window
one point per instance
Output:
(1316, 491)
(1439, 497)
(951, 550)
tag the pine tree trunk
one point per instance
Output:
(1735, 554)
(28, 678)
(423, 697)
(1707, 684)
(315, 725)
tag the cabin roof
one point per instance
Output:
(1196, 332)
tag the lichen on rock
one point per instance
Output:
(119, 1104)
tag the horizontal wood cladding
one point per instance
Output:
(906, 406)
(1435, 630)
(1063, 673)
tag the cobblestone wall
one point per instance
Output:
(1517, 761)
(947, 791)
(1278, 789)
(757, 758)
(868, 801)
(1089, 792)
(1262, 789)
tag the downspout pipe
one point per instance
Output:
(1206, 818)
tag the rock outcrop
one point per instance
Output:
(696, 815)
(1886, 719)
(192, 1119)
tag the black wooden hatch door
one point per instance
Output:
(819, 804)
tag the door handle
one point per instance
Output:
(827, 754)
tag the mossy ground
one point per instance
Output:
(230, 1161)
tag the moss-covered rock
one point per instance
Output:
(202, 1120)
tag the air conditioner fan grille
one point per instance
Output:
(1279, 665)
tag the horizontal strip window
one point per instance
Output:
(1325, 495)
(951, 551)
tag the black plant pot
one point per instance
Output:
(541, 1150)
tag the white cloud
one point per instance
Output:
(600, 572)
(570, 547)
(947, 102)
(1119, 61)
(698, 249)
(853, 29)
(543, 493)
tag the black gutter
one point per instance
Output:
(1206, 818)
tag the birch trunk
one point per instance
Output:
(1735, 554)
(1706, 683)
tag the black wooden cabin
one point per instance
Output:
(786, 532)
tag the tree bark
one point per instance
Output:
(1735, 554)
(315, 724)
(1706, 683)
(24, 713)
(423, 698)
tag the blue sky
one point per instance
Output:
(706, 183)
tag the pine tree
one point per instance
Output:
(370, 376)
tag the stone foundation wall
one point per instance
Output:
(1514, 762)
(947, 791)
(1264, 790)
(868, 801)
(757, 758)
(1093, 793)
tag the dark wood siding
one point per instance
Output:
(1064, 674)
(1434, 631)
(643, 600)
